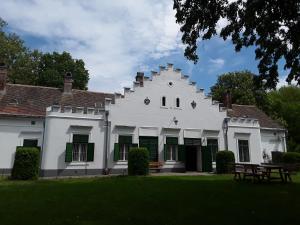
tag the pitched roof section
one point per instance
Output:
(26, 100)
(255, 113)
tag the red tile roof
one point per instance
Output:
(252, 111)
(27, 100)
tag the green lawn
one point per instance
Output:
(149, 200)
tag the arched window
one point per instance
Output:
(163, 101)
(177, 102)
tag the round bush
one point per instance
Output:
(138, 161)
(291, 157)
(26, 164)
(224, 161)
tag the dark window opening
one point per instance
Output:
(244, 155)
(163, 101)
(177, 102)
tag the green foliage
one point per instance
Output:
(277, 157)
(26, 164)
(291, 157)
(284, 105)
(244, 87)
(36, 68)
(224, 161)
(138, 161)
(271, 26)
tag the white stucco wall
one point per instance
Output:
(12, 133)
(272, 140)
(130, 115)
(59, 130)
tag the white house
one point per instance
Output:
(82, 132)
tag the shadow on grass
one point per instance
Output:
(149, 200)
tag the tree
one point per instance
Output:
(243, 86)
(272, 26)
(36, 68)
(284, 104)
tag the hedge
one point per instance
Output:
(291, 157)
(138, 161)
(224, 161)
(26, 164)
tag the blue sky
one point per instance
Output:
(117, 38)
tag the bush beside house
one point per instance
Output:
(138, 161)
(291, 157)
(224, 161)
(26, 164)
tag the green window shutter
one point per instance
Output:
(165, 152)
(69, 152)
(80, 138)
(181, 153)
(90, 152)
(172, 141)
(116, 152)
(206, 159)
(125, 139)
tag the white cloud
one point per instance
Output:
(217, 63)
(113, 37)
(282, 82)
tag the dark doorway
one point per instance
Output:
(191, 158)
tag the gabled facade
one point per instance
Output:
(83, 132)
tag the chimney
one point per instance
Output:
(68, 83)
(227, 100)
(140, 78)
(3, 77)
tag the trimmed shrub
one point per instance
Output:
(26, 164)
(138, 161)
(224, 161)
(291, 157)
(277, 157)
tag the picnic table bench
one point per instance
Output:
(268, 171)
(156, 166)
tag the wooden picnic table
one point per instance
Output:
(271, 169)
(259, 172)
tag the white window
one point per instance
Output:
(80, 146)
(172, 152)
(79, 152)
(244, 155)
(124, 148)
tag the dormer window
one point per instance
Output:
(177, 102)
(163, 101)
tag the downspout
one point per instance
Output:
(226, 133)
(106, 141)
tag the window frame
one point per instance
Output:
(124, 148)
(238, 148)
(169, 150)
(177, 100)
(213, 138)
(80, 148)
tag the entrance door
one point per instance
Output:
(191, 158)
(151, 143)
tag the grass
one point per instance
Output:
(149, 200)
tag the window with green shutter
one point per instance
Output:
(181, 153)
(121, 151)
(80, 150)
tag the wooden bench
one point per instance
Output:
(156, 166)
(244, 170)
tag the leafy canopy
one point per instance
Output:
(37, 68)
(244, 87)
(284, 104)
(272, 26)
